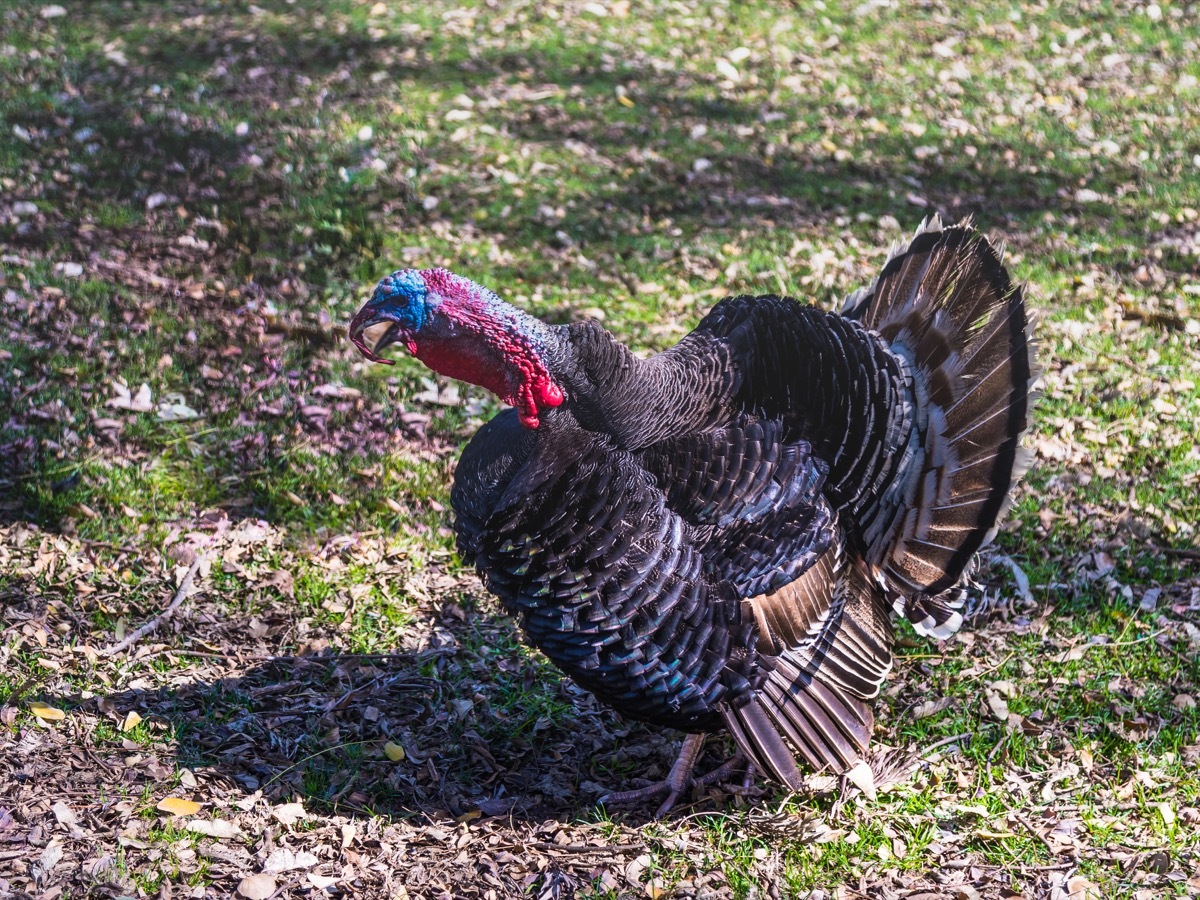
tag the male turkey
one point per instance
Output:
(717, 536)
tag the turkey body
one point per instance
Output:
(718, 536)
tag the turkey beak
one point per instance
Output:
(365, 318)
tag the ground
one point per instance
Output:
(198, 194)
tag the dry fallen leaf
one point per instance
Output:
(64, 814)
(288, 813)
(214, 828)
(281, 859)
(47, 713)
(863, 778)
(1086, 759)
(321, 882)
(132, 720)
(998, 707)
(932, 707)
(142, 401)
(256, 887)
(1079, 888)
(178, 806)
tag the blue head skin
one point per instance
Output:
(401, 298)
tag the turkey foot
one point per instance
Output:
(679, 779)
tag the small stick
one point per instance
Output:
(996, 749)
(944, 741)
(119, 548)
(1183, 552)
(998, 665)
(184, 586)
(1029, 826)
(574, 848)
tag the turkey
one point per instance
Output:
(718, 536)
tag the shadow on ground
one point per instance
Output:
(315, 727)
(479, 732)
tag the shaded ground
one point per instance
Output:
(196, 195)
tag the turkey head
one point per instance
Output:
(462, 330)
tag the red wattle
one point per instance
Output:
(506, 367)
(550, 394)
(472, 335)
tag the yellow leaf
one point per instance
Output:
(394, 751)
(469, 816)
(178, 806)
(625, 101)
(131, 721)
(47, 713)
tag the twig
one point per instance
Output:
(1049, 868)
(1183, 552)
(574, 848)
(336, 659)
(140, 277)
(944, 741)
(119, 548)
(337, 704)
(586, 848)
(998, 665)
(1054, 851)
(996, 749)
(47, 474)
(184, 586)
(1141, 640)
(321, 752)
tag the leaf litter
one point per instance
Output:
(337, 707)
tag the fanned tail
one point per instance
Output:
(945, 304)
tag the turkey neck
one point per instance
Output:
(638, 402)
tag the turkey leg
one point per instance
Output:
(679, 779)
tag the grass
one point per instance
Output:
(229, 180)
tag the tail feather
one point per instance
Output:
(946, 305)
(828, 727)
(760, 741)
(814, 693)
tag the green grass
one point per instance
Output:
(210, 167)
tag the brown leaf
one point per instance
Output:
(281, 859)
(932, 707)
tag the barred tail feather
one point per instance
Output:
(946, 305)
(814, 695)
